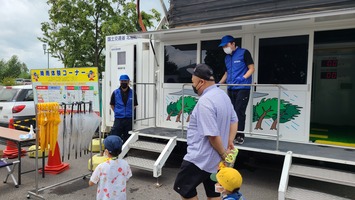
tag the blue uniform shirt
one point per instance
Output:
(123, 110)
(237, 66)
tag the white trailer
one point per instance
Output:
(318, 90)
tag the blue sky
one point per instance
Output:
(20, 24)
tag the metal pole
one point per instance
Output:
(278, 117)
(48, 58)
(155, 96)
(182, 109)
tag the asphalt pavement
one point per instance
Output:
(260, 180)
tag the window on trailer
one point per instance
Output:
(214, 56)
(177, 58)
(283, 60)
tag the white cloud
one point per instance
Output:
(20, 24)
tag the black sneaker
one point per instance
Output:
(239, 140)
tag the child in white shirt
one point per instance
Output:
(112, 175)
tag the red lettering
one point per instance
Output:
(334, 75)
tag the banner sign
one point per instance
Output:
(66, 85)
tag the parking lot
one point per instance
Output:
(261, 180)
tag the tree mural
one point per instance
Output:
(255, 115)
(190, 103)
(267, 109)
(286, 115)
(175, 108)
(171, 110)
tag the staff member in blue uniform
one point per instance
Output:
(121, 104)
(239, 70)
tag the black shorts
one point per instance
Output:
(189, 177)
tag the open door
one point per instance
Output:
(121, 62)
(333, 88)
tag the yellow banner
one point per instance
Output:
(65, 75)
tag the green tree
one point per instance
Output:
(7, 81)
(2, 68)
(289, 113)
(171, 110)
(13, 68)
(77, 29)
(266, 109)
(189, 104)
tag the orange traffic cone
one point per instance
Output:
(11, 148)
(54, 164)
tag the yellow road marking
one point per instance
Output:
(318, 136)
(335, 143)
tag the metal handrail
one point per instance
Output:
(279, 87)
(145, 111)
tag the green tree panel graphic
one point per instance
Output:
(266, 109)
(175, 108)
(289, 113)
(171, 110)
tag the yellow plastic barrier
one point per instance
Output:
(96, 160)
(96, 145)
(32, 152)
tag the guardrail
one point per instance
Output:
(145, 109)
(252, 91)
(285, 176)
(18, 123)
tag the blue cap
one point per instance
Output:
(225, 40)
(113, 143)
(124, 77)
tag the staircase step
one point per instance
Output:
(140, 163)
(322, 174)
(303, 194)
(148, 146)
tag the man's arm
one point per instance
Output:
(250, 71)
(135, 100)
(232, 133)
(112, 102)
(217, 144)
(94, 177)
(224, 78)
(250, 63)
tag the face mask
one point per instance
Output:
(124, 85)
(227, 50)
(195, 88)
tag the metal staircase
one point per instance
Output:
(321, 175)
(144, 160)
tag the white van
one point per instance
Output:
(19, 81)
(16, 102)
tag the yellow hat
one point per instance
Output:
(229, 178)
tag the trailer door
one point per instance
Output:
(121, 62)
(283, 59)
